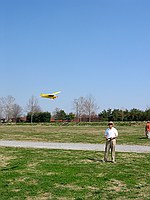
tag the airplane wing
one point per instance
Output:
(51, 96)
(56, 92)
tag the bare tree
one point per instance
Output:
(90, 107)
(33, 106)
(78, 105)
(85, 106)
(8, 103)
(55, 112)
(17, 111)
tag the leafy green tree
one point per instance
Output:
(103, 115)
(70, 116)
(38, 117)
(60, 115)
(117, 115)
(135, 115)
(147, 114)
(126, 115)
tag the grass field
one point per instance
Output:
(72, 175)
(40, 174)
(82, 134)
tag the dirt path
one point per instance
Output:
(73, 146)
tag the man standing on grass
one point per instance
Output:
(111, 134)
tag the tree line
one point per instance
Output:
(85, 109)
(125, 115)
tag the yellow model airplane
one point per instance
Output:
(50, 96)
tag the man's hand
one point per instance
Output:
(108, 139)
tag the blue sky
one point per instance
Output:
(81, 47)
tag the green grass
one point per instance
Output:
(72, 175)
(83, 134)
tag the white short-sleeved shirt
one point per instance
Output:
(111, 133)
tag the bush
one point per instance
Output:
(39, 117)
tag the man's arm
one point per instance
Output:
(105, 135)
(116, 133)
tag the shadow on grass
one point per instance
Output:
(143, 138)
(9, 168)
(97, 160)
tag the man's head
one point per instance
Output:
(110, 124)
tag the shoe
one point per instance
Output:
(113, 161)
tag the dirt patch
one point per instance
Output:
(69, 186)
(116, 185)
(16, 190)
(92, 188)
(52, 173)
(32, 165)
(65, 198)
(87, 161)
(5, 160)
(127, 156)
(22, 180)
(44, 196)
(100, 175)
